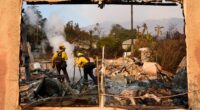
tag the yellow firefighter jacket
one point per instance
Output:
(55, 55)
(81, 61)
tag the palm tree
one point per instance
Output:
(97, 29)
(138, 28)
(145, 28)
(158, 30)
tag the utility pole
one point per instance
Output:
(131, 17)
(131, 29)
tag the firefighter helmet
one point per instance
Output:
(80, 54)
(62, 46)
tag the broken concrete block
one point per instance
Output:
(151, 68)
(145, 54)
(35, 66)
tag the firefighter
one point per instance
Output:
(87, 66)
(59, 61)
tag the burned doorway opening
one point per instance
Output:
(145, 40)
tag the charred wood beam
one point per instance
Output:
(27, 106)
(82, 2)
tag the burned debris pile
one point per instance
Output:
(127, 82)
(45, 89)
(132, 82)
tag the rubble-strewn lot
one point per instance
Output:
(128, 82)
(132, 82)
(45, 89)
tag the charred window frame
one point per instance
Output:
(102, 3)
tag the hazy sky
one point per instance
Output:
(90, 14)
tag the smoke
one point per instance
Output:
(44, 44)
(54, 28)
(32, 15)
(33, 18)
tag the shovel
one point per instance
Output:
(80, 71)
(74, 72)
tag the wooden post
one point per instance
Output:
(98, 81)
(102, 81)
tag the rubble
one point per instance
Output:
(119, 80)
(151, 68)
(130, 83)
(124, 66)
(116, 84)
(179, 82)
(134, 69)
(22, 74)
(145, 54)
(45, 89)
(182, 65)
(147, 94)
